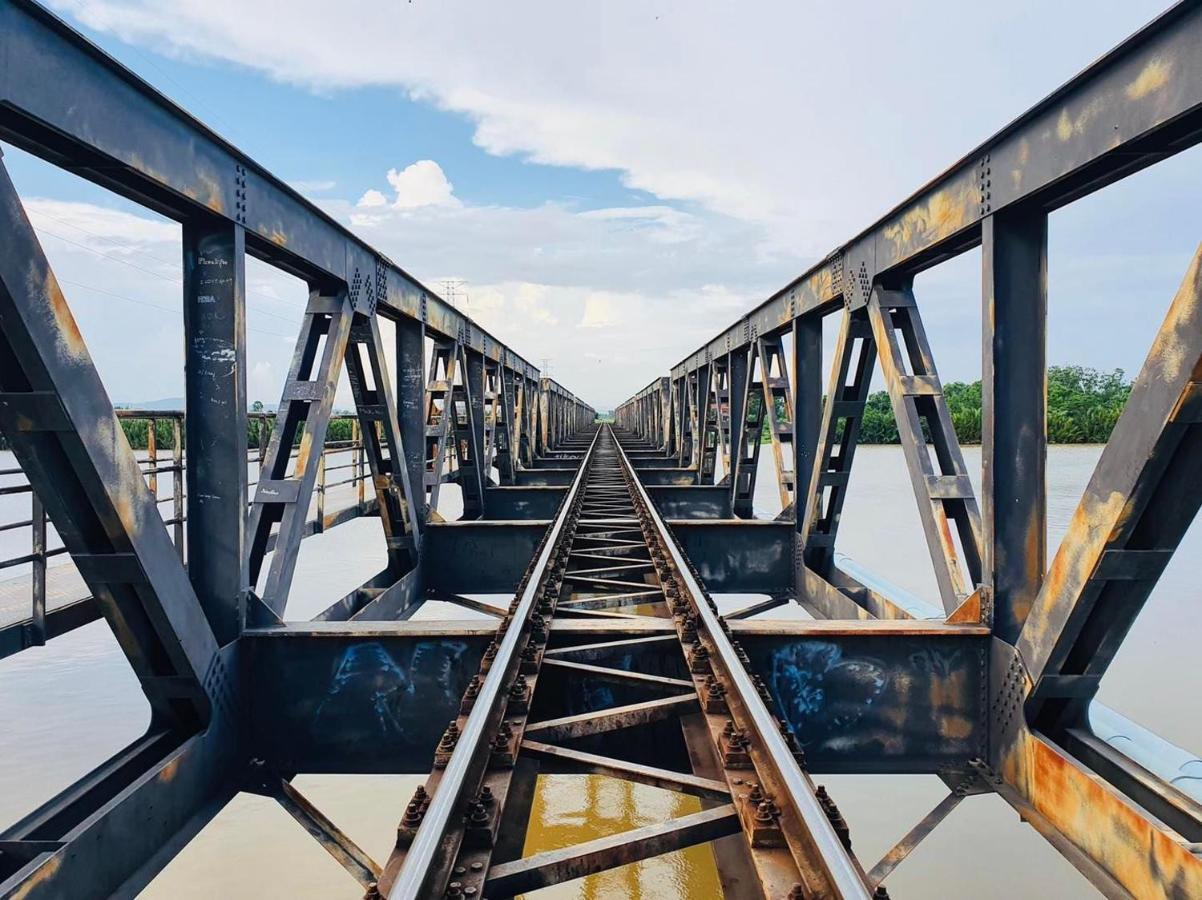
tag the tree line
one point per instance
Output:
(1083, 407)
(137, 431)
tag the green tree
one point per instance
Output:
(1083, 407)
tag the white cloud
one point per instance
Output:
(371, 198)
(531, 299)
(635, 248)
(109, 231)
(421, 184)
(314, 187)
(771, 114)
(263, 384)
(576, 268)
(599, 312)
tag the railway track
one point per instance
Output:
(611, 631)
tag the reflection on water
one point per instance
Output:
(570, 809)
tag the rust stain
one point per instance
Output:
(947, 692)
(130, 492)
(209, 194)
(1064, 126)
(946, 212)
(1167, 354)
(958, 728)
(823, 284)
(170, 770)
(968, 612)
(278, 238)
(1094, 523)
(1154, 76)
(1024, 155)
(1144, 858)
(43, 875)
(1068, 127)
(71, 340)
(302, 453)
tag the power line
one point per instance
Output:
(452, 289)
(176, 281)
(165, 309)
(132, 249)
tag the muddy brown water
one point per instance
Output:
(65, 707)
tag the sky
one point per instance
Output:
(608, 184)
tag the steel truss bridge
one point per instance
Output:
(612, 657)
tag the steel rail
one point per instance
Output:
(411, 881)
(841, 869)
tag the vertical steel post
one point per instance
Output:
(751, 431)
(505, 427)
(37, 635)
(321, 492)
(411, 407)
(1014, 437)
(544, 409)
(357, 471)
(706, 435)
(216, 425)
(177, 484)
(736, 367)
(807, 406)
(473, 377)
(152, 458)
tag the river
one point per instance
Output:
(65, 707)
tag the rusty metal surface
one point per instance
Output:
(612, 657)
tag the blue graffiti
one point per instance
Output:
(371, 690)
(937, 662)
(805, 676)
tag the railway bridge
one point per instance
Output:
(612, 543)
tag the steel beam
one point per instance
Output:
(216, 423)
(1014, 431)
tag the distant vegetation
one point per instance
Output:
(1083, 406)
(137, 431)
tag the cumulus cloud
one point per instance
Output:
(421, 184)
(371, 198)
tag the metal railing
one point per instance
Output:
(155, 460)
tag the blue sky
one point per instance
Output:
(612, 183)
(348, 137)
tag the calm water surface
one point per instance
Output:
(65, 707)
